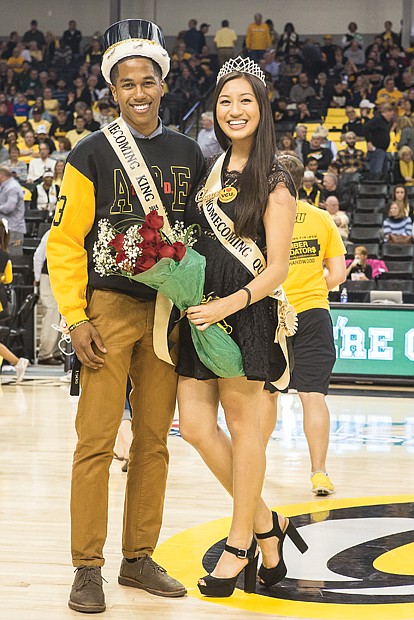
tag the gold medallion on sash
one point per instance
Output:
(227, 194)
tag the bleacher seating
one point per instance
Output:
(372, 190)
(406, 286)
(367, 218)
(391, 251)
(399, 270)
(365, 234)
(373, 249)
(376, 205)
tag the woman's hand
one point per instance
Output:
(204, 315)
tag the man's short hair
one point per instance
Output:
(350, 134)
(207, 116)
(6, 170)
(295, 168)
(115, 69)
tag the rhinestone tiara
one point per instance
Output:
(241, 65)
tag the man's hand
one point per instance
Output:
(82, 338)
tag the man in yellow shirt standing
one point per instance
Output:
(258, 38)
(317, 265)
(225, 40)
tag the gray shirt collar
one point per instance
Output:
(137, 134)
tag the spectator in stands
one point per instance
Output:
(72, 37)
(45, 194)
(105, 114)
(258, 38)
(12, 209)
(339, 217)
(287, 144)
(49, 352)
(18, 168)
(50, 104)
(388, 37)
(288, 39)
(90, 123)
(60, 92)
(192, 38)
(302, 144)
(94, 55)
(330, 187)
(354, 124)
(37, 114)
(16, 62)
(389, 94)
(58, 173)
(34, 35)
(28, 147)
(350, 159)
(21, 107)
(225, 41)
(355, 54)
(322, 154)
(6, 277)
(63, 150)
(302, 90)
(290, 69)
(187, 89)
(397, 227)
(43, 138)
(359, 269)
(340, 96)
(309, 191)
(312, 165)
(377, 134)
(75, 135)
(271, 64)
(404, 167)
(61, 125)
(39, 165)
(399, 195)
(351, 35)
(207, 138)
(328, 50)
(6, 120)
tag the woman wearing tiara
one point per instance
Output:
(245, 195)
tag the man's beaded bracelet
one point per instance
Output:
(72, 327)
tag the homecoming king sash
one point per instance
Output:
(127, 151)
(249, 254)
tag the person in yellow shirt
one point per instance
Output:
(388, 94)
(317, 265)
(75, 135)
(225, 40)
(258, 38)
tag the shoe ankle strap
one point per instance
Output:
(243, 554)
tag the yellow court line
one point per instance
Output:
(182, 554)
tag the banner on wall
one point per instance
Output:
(377, 342)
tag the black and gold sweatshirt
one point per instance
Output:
(96, 186)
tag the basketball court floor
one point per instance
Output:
(360, 562)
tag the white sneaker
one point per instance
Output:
(20, 369)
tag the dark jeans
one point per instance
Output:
(377, 161)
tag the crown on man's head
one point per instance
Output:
(242, 65)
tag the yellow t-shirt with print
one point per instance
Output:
(315, 237)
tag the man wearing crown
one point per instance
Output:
(116, 325)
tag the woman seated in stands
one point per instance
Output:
(397, 227)
(287, 144)
(359, 268)
(18, 168)
(399, 195)
(404, 167)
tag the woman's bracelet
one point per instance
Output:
(72, 327)
(249, 296)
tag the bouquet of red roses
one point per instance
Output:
(168, 264)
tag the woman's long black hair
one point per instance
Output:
(254, 191)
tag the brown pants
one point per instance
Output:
(125, 325)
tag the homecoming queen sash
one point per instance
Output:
(127, 151)
(249, 254)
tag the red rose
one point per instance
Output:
(165, 251)
(118, 242)
(154, 220)
(143, 264)
(149, 251)
(180, 249)
(121, 256)
(149, 234)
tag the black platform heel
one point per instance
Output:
(221, 587)
(270, 576)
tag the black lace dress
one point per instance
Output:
(253, 328)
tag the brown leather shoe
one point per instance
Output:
(87, 594)
(150, 576)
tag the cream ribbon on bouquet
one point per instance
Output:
(120, 138)
(248, 253)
